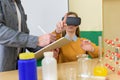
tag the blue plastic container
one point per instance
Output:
(27, 67)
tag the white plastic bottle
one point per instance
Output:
(49, 67)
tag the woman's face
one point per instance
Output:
(71, 28)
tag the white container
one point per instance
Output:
(84, 66)
(49, 67)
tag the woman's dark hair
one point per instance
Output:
(77, 30)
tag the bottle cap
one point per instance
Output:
(26, 56)
(48, 54)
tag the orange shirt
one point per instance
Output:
(70, 51)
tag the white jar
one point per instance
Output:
(49, 67)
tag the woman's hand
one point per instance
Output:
(61, 25)
(56, 53)
(86, 45)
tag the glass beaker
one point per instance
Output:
(84, 66)
(70, 73)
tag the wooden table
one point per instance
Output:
(13, 75)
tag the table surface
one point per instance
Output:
(10, 75)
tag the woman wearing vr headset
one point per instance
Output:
(69, 28)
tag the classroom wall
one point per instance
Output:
(90, 12)
(44, 13)
(111, 18)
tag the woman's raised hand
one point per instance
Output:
(61, 25)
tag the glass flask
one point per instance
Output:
(100, 69)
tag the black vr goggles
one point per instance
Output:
(73, 21)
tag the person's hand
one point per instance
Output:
(61, 25)
(56, 53)
(46, 39)
(107, 78)
(86, 45)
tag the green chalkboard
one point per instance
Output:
(91, 35)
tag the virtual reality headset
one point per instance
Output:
(76, 21)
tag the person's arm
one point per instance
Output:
(12, 38)
(60, 27)
(95, 52)
(58, 35)
(90, 48)
(34, 49)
